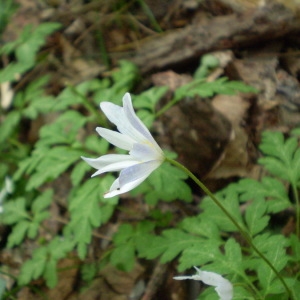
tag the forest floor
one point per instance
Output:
(256, 42)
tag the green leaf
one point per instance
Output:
(124, 78)
(15, 211)
(18, 233)
(9, 125)
(88, 271)
(161, 219)
(63, 130)
(149, 98)
(33, 228)
(208, 89)
(78, 172)
(265, 241)
(124, 257)
(127, 241)
(255, 216)
(165, 184)
(43, 262)
(230, 200)
(269, 189)
(35, 99)
(13, 69)
(170, 244)
(274, 248)
(146, 117)
(52, 163)
(50, 273)
(283, 157)
(200, 226)
(28, 165)
(198, 252)
(33, 40)
(89, 210)
(96, 144)
(278, 258)
(33, 268)
(42, 202)
(295, 245)
(25, 49)
(231, 262)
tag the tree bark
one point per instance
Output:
(223, 32)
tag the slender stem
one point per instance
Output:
(295, 192)
(243, 232)
(177, 94)
(166, 107)
(94, 112)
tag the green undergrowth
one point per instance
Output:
(207, 240)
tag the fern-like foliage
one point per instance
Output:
(211, 241)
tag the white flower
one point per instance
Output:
(144, 153)
(7, 189)
(223, 286)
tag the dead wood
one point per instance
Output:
(223, 32)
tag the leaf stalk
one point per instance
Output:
(242, 231)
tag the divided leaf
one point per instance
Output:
(128, 240)
(43, 262)
(208, 89)
(274, 248)
(50, 164)
(230, 200)
(199, 251)
(270, 190)
(26, 223)
(282, 157)
(63, 130)
(169, 244)
(255, 216)
(89, 210)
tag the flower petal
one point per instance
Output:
(116, 190)
(110, 162)
(133, 173)
(117, 139)
(117, 116)
(134, 120)
(131, 177)
(145, 152)
(223, 286)
(116, 167)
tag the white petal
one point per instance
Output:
(106, 160)
(134, 120)
(145, 152)
(133, 173)
(115, 138)
(117, 116)
(116, 167)
(131, 177)
(116, 190)
(223, 286)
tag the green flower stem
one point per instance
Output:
(177, 98)
(295, 192)
(166, 107)
(243, 232)
(94, 112)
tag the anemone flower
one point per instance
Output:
(144, 153)
(223, 286)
